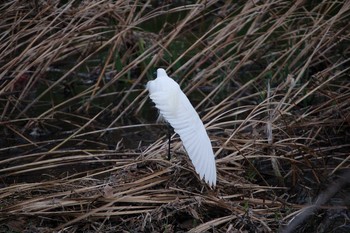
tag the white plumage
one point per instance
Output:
(175, 108)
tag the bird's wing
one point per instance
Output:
(195, 139)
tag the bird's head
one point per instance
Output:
(161, 72)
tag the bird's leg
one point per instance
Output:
(169, 142)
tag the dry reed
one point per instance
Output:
(80, 151)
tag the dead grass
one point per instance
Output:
(80, 151)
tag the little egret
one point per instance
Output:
(175, 108)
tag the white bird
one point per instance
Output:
(175, 108)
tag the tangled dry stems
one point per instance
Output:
(79, 152)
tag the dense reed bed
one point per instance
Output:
(80, 149)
